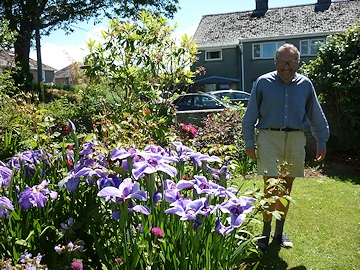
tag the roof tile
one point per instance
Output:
(227, 28)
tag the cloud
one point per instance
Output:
(60, 56)
(178, 33)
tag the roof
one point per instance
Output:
(217, 79)
(33, 66)
(66, 71)
(227, 29)
(7, 58)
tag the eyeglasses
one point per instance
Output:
(291, 63)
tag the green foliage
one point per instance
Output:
(7, 38)
(335, 74)
(221, 135)
(140, 58)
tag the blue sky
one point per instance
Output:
(59, 50)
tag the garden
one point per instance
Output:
(102, 176)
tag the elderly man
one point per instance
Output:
(282, 105)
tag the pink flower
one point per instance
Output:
(189, 130)
(76, 265)
(119, 260)
(157, 231)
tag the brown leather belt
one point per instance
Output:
(284, 129)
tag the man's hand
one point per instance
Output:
(320, 154)
(250, 152)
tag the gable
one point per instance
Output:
(228, 28)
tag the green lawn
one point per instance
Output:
(323, 224)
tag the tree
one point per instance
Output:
(336, 76)
(139, 58)
(25, 17)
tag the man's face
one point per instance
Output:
(286, 65)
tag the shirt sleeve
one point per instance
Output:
(317, 120)
(250, 118)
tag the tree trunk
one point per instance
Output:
(23, 78)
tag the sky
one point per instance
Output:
(59, 50)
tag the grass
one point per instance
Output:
(323, 224)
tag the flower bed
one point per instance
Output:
(98, 208)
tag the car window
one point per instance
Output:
(186, 101)
(211, 103)
(240, 96)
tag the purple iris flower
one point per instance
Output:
(182, 148)
(6, 207)
(172, 195)
(5, 175)
(27, 160)
(72, 126)
(72, 180)
(183, 152)
(202, 186)
(36, 196)
(157, 197)
(88, 148)
(186, 209)
(238, 208)
(182, 184)
(199, 158)
(172, 189)
(217, 173)
(108, 180)
(141, 209)
(152, 163)
(120, 154)
(221, 228)
(127, 190)
(155, 149)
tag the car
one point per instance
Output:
(198, 101)
(233, 95)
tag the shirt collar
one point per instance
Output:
(296, 75)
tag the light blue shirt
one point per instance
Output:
(274, 104)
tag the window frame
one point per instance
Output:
(311, 44)
(213, 59)
(261, 51)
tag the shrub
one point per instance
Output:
(221, 135)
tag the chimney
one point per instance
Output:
(322, 5)
(261, 8)
(323, 2)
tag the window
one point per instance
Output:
(213, 55)
(224, 86)
(266, 50)
(310, 46)
(210, 87)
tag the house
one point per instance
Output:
(7, 60)
(69, 75)
(48, 72)
(235, 48)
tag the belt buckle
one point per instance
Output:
(282, 129)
